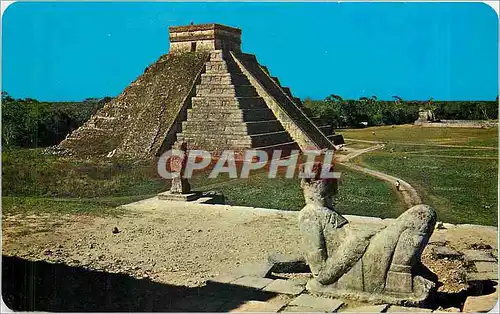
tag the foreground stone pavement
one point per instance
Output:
(292, 296)
(189, 246)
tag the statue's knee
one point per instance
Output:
(421, 218)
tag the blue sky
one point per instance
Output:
(71, 51)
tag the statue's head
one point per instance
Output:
(317, 191)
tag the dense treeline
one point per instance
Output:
(352, 113)
(31, 123)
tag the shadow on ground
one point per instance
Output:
(42, 286)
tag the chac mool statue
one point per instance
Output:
(370, 262)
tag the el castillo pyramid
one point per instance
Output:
(205, 92)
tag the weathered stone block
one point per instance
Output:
(445, 252)
(252, 282)
(368, 309)
(169, 196)
(403, 309)
(478, 256)
(302, 309)
(320, 303)
(285, 286)
(482, 276)
(483, 303)
(485, 267)
(257, 307)
(225, 278)
(254, 269)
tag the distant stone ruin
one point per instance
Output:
(204, 92)
(426, 118)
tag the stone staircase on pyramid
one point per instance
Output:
(227, 113)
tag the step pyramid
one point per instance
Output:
(204, 92)
(227, 113)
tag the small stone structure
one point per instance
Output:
(180, 190)
(369, 263)
(205, 92)
(180, 185)
(472, 124)
(208, 37)
(425, 115)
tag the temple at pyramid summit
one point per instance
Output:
(205, 92)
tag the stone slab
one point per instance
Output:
(368, 309)
(447, 310)
(483, 303)
(302, 309)
(484, 267)
(482, 276)
(252, 282)
(257, 307)
(253, 269)
(445, 252)
(167, 196)
(478, 256)
(319, 303)
(225, 278)
(285, 286)
(404, 309)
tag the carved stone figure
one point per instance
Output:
(180, 185)
(370, 262)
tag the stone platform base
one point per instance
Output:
(422, 288)
(168, 196)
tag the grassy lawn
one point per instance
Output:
(359, 194)
(423, 135)
(460, 183)
(34, 182)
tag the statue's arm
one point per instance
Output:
(340, 262)
(313, 243)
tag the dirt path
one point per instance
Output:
(410, 195)
(421, 144)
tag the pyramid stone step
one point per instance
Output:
(101, 123)
(208, 102)
(216, 55)
(226, 90)
(215, 138)
(88, 131)
(287, 91)
(214, 143)
(220, 67)
(231, 115)
(224, 78)
(192, 127)
(259, 127)
(285, 148)
(228, 127)
(268, 139)
(261, 140)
